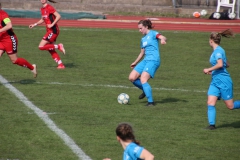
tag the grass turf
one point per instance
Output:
(82, 99)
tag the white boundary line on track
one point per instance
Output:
(51, 125)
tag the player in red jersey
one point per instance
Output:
(9, 43)
(50, 16)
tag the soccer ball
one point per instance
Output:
(123, 98)
(216, 15)
(196, 14)
(203, 12)
(231, 15)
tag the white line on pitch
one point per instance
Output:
(41, 114)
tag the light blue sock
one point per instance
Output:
(211, 115)
(236, 104)
(148, 91)
(138, 84)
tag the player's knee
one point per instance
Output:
(230, 107)
(41, 47)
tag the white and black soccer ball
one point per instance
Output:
(216, 15)
(203, 12)
(232, 15)
(123, 98)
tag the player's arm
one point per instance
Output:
(140, 56)
(146, 155)
(58, 17)
(35, 24)
(217, 66)
(8, 26)
(162, 39)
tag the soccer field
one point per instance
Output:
(72, 114)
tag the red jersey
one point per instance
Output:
(8, 33)
(49, 17)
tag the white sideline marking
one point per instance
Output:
(51, 125)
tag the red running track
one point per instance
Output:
(130, 22)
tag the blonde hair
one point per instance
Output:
(52, 1)
(216, 36)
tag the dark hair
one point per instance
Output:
(52, 1)
(125, 132)
(146, 23)
(216, 36)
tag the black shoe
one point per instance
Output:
(142, 95)
(211, 127)
(149, 104)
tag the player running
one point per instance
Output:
(9, 43)
(50, 16)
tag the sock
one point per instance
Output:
(138, 83)
(24, 63)
(148, 91)
(55, 56)
(47, 47)
(211, 115)
(236, 104)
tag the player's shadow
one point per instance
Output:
(170, 100)
(24, 81)
(230, 125)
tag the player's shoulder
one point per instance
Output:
(3, 13)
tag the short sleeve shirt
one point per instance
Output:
(48, 16)
(132, 152)
(150, 44)
(4, 19)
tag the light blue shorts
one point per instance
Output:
(224, 92)
(147, 66)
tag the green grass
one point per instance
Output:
(83, 98)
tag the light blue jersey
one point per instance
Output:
(150, 44)
(132, 152)
(217, 54)
(221, 84)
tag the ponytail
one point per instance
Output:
(52, 1)
(216, 36)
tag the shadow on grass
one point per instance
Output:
(25, 81)
(232, 125)
(170, 100)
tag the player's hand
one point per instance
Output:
(31, 26)
(106, 159)
(132, 65)
(163, 42)
(206, 71)
(49, 25)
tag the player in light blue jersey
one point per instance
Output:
(147, 68)
(132, 150)
(221, 85)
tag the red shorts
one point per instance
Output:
(9, 44)
(50, 37)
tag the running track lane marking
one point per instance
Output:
(51, 125)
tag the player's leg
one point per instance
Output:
(145, 76)
(10, 46)
(135, 74)
(47, 43)
(211, 111)
(227, 96)
(213, 94)
(24, 63)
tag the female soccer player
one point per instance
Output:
(221, 85)
(132, 150)
(9, 43)
(147, 68)
(50, 16)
